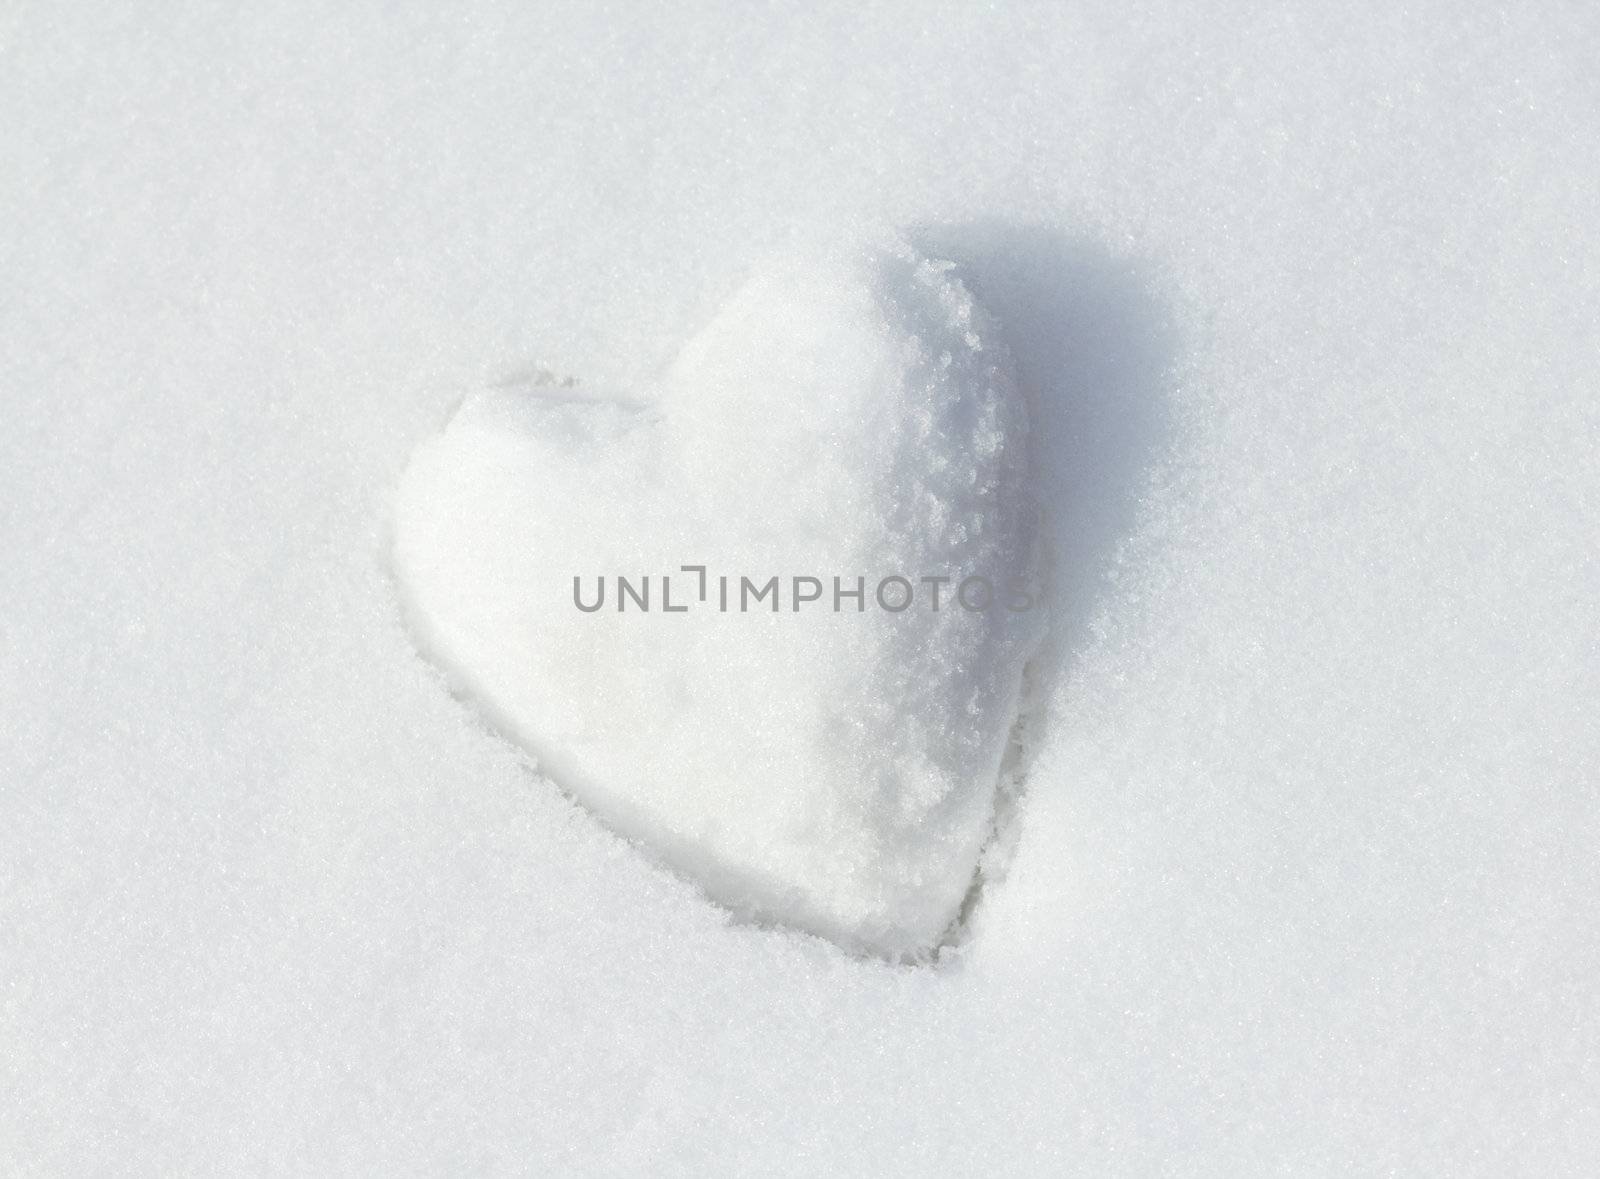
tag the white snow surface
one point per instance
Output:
(1305, 870)
(847, 440)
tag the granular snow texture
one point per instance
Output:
(1305, 871)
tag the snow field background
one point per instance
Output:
(1306, 873)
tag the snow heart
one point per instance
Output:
(849, 414)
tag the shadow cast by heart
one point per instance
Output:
(684, 738)
(1096, 353)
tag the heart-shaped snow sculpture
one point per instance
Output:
(807, 753)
